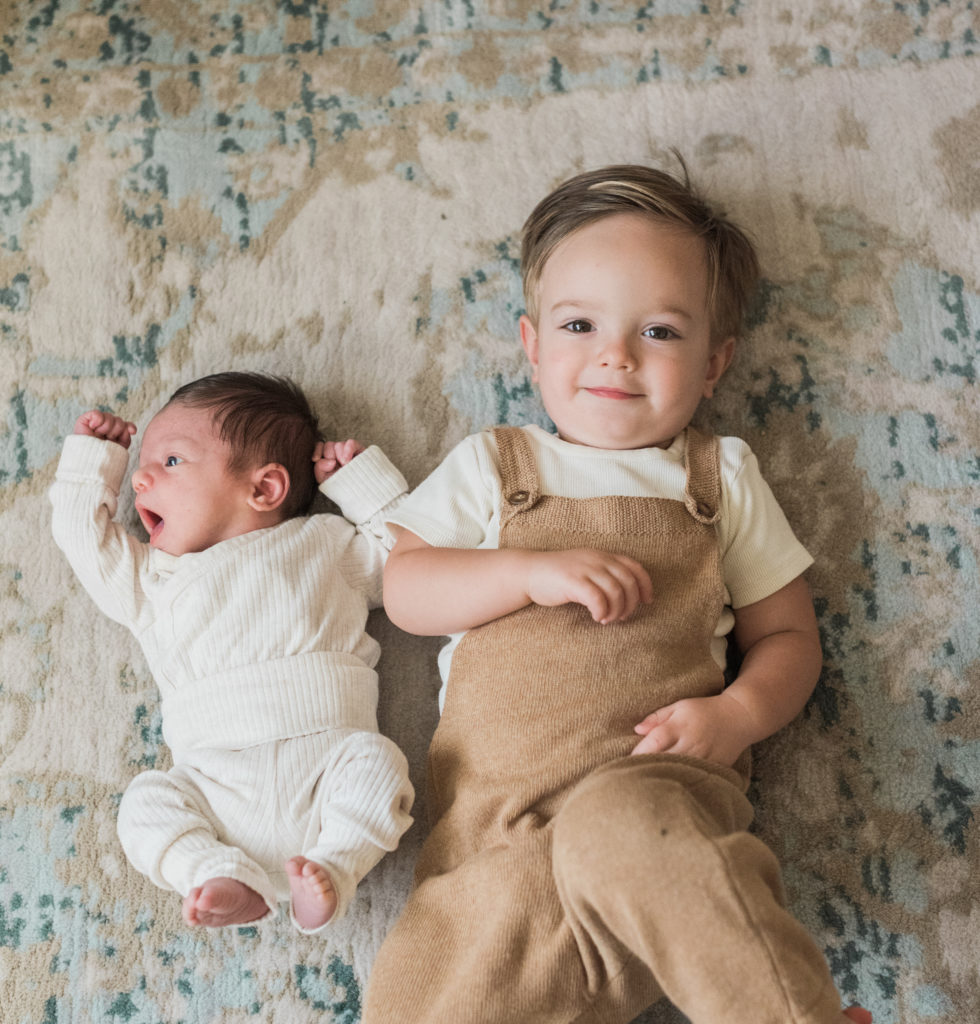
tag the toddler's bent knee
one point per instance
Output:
(644, 816)
(606, 824)
(618, 797)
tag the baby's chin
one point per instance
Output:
(156, 544)
(153, 525)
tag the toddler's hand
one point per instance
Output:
(329, 456)
(713, 729)
(106, 426)
(610, 586)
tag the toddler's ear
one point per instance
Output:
(529, 339)
(718, 362)
(270, 485)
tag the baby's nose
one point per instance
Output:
(140, 481)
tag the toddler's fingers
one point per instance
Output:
(651, 721)
(652, 743)
(638, 578)
(631, 595)
(602, 594)
(595, 601)
(656, 740)
(644, 583)
(629, 586)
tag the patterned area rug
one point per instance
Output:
(335, 190)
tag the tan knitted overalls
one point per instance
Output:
(563, 879)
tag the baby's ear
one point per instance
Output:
(270, 485)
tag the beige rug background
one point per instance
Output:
(335, 191)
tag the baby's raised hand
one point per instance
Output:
(610, 586)
(329, 456)
(713, 729)
(106, 426)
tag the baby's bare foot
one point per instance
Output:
(314, 897)
(856, 1013)
(221, 902)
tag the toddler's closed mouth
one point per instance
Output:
(614, 393)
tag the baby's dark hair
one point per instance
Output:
(262, 419)
(732, 265)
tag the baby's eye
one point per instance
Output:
(659, 333)
(172, 460)
(577, 326)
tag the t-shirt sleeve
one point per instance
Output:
(760, 552)
(453, 507)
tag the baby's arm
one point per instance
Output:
(84, 497)
(366, 488)
(781, 664)
(435, 591)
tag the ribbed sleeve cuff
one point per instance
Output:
(365, 485)
(90, 459)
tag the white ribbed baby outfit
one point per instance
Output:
(266, 677)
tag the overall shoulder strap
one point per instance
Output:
(702, 460)
(518, 470)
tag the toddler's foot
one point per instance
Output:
(221, 902)
(858, 1014)
(314, 897)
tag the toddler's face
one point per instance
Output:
(186, 496)
(622, 347)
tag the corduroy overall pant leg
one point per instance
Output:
(564, 880)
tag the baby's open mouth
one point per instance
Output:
(150, 519)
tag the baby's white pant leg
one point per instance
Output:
(170, 832)
(358, 810)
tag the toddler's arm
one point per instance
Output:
(435, 591)
(781, 646)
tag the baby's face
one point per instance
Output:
(186, 496)
(622, 345)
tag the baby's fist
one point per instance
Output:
(329, 456)
(105, 426)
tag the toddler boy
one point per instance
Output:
(590, 851)
(252, 616)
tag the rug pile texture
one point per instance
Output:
(335, 190)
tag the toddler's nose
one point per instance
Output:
(617, 352)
